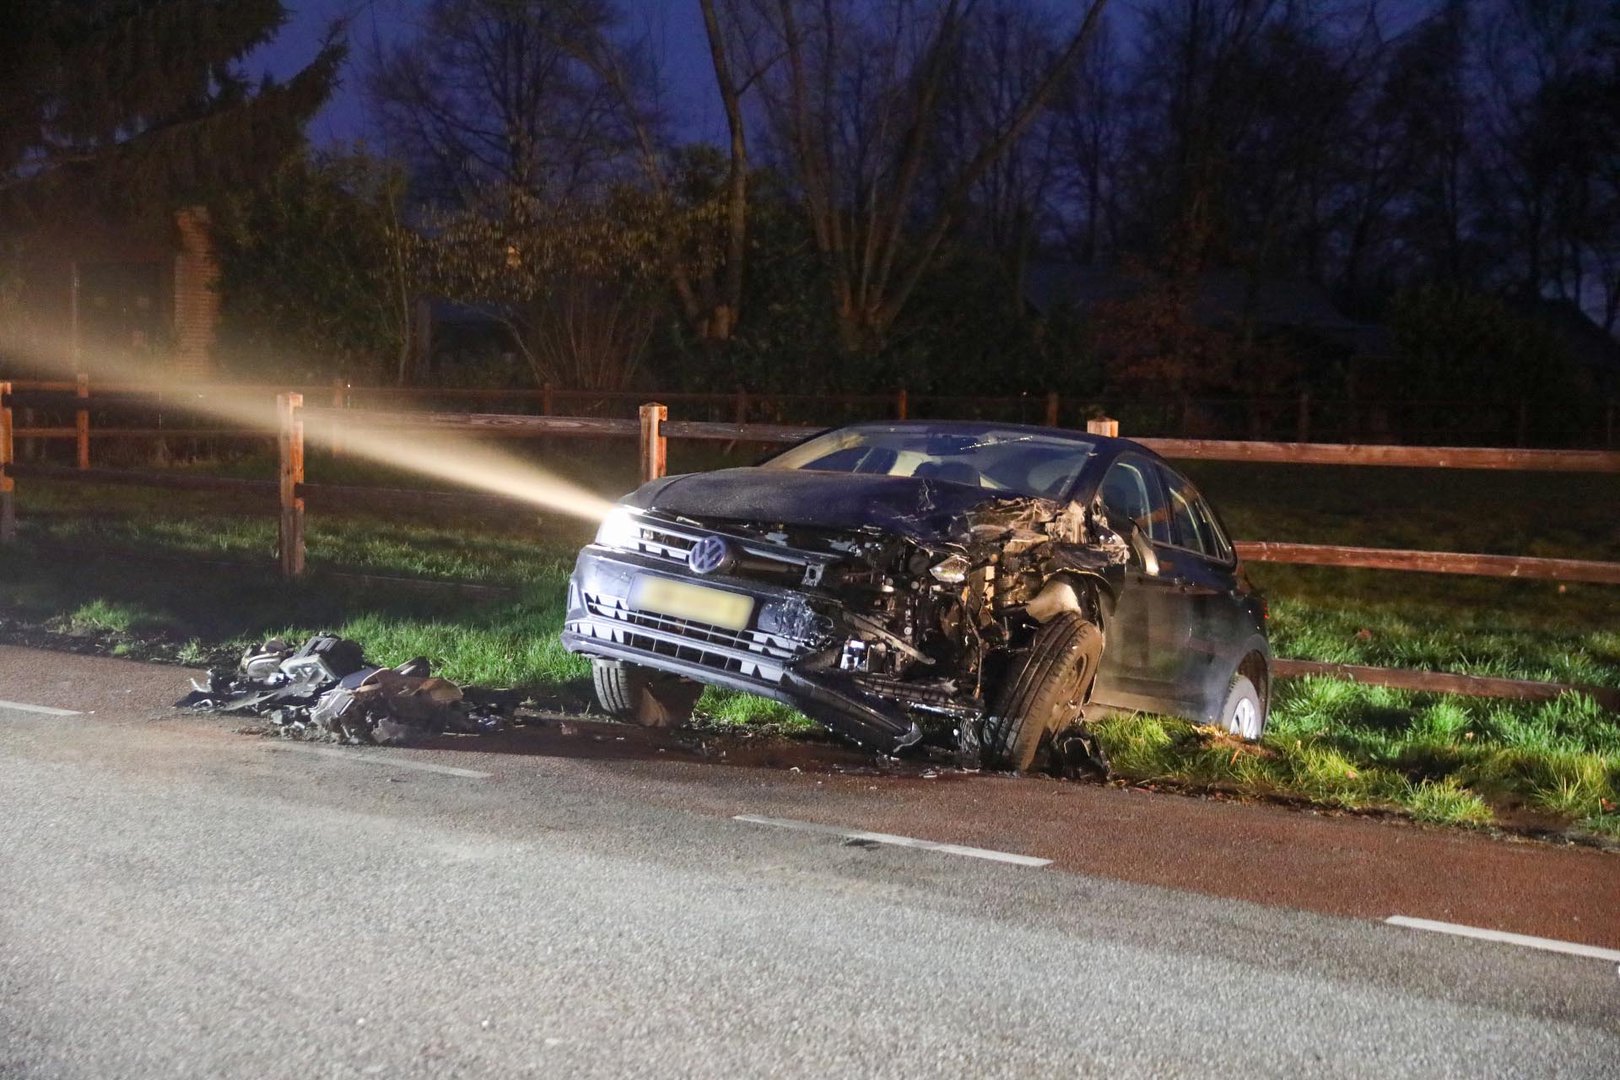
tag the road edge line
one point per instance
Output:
(1570, 948)
(390, 761)
(891, 839)
(42, 710)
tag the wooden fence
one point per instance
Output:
(653, 429)
(1297, 415)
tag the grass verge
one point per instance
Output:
(1445, 760)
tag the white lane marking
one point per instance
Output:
(389, 761)
(43, 710)
(1549, 944)
(897, 841)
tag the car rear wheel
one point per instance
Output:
(1244, 714)
(642, 696)
(1043, 692)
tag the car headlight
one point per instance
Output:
(620, 529)
(951, 570)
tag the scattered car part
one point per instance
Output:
(325, 689)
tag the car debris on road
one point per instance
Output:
(326, 689)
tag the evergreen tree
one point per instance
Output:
(143, 103)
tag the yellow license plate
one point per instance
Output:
(695, 602)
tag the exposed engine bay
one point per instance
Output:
(921, 623)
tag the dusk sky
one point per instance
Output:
(674, 26)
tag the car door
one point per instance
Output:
(1137, 671)
(1198, 566)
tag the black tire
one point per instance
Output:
(639, 695)
(1043, 692)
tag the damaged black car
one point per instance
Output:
(989, 588)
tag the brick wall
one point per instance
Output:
(179, 249)
(196, 303)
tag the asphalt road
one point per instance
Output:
(178, 900)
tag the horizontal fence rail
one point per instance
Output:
(144, 433)
(173, 481)
(1430, 562)
(319, 494)
(653, 429)
(515, 425)
(1444, 682)
(1419, 457)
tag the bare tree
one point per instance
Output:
(709, 291)
(1241, 107)
(1090, 143)
(1009, 211)
(855, 103)
(1549, 149)
(489, 92)
(531, 146)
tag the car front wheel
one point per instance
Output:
(1044, 691)
(642, 696)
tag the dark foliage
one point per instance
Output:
(140, 105)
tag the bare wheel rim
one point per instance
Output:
(1246, 718)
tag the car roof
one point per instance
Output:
(1107, 445)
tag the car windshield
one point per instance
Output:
(997, 459)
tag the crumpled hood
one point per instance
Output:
(923, 510)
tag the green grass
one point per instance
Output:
(1445, 760)
(86, 567)
(1446, 802)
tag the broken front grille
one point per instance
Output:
(750, 653)
(673, 544)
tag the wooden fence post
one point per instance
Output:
(1103, 426)
(741, 417)
(1053, 406)
(8, 455)
(290, 430)
(1303, 423)
(902, 404)
(654, 447)
(548, 404)
(81, 422)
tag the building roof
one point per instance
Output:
(1223, 297)
(1588, 343)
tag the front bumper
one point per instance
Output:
(784, 653)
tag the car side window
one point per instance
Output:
(1130, 492)
(1192, 524)
(1218, 547)
(1184, 530)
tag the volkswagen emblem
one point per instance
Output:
(711, 555)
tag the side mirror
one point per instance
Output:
(1142, 545)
